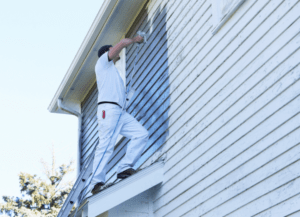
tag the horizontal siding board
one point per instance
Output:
(255, 71)
(90, 131)
(264, 194)
(89, 151)
(253, 64)
(152, 27)
(184, 10)
(197, 200)
(185, 106)
(257, 126)
(215, 177)
(89, 113)
(86, 103)
(146, 68)
(294, 214)
(145, 60)
(90, 127)
(158, 81)
(236, 83)
(191, 152)
(89, 116)
(158, 104)
(186, 170)
(171, 87)
(284, 208)
(90, 105)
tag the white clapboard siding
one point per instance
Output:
(249, 84)
(224, 107)
(199, 93)
(89, 130)
(288, 206)
(285, 17)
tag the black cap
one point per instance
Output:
(103, 49)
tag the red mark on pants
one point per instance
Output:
(103, 114)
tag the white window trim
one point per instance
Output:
(220, 16)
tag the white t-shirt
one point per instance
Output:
(110, 84)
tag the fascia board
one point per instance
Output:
(126, 189)
(98, 24)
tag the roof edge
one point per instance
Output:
(99, 22)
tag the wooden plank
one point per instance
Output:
(147, 67)
(194, 150)
(295, 214)
(247, 189)
(259, 124)
(86, 101)
(90, 129)
(90, 110)
(168, 21)
(182, 109)
(266, 59)
(157, 104)
(91, 139)
(217, 176)
(267, 193)
(283, 209)
(153, 26)
(189, 148)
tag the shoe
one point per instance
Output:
(97, 187)
(126, 173)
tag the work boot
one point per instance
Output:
(97, 187)
(126, 173)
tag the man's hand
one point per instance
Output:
(115, 50)
(138, 39)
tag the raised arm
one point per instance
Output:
(115, 50)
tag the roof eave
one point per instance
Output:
(98, 24)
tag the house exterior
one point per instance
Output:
(218, 90)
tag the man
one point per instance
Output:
(111, 99)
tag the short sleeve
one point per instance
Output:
(103, 61)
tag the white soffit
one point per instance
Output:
(126, 189)
(111, 23)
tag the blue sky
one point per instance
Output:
(38, 42)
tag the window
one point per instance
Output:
(222, 10)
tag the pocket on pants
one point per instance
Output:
(107, 119)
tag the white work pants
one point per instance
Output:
(129, 127)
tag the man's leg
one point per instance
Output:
(106, 126)
(133, 130)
